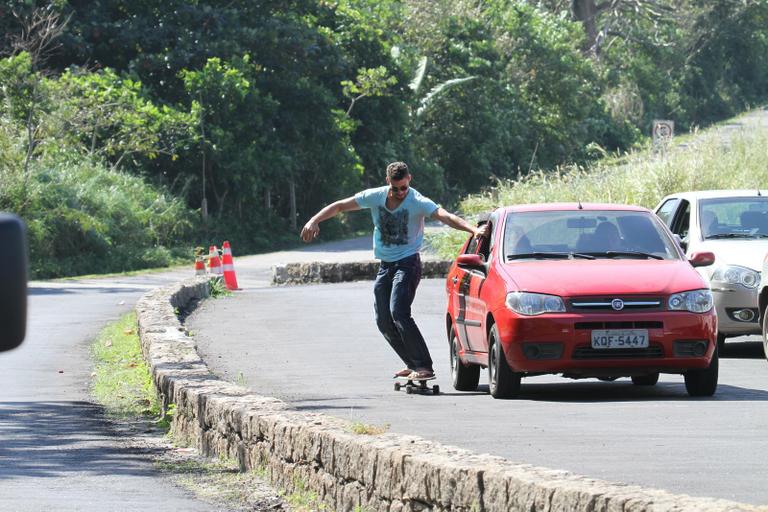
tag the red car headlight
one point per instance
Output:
(530, 304)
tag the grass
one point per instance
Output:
(122, 381)
(368, 430)
(302, 499)
(707, 161)
(220, 482)
(218, 288)
(122, 384)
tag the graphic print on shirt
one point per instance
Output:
(393, 227)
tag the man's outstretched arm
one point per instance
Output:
(312, 228)
(457, 222)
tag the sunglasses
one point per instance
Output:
(399, 189)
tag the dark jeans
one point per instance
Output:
(394, 291)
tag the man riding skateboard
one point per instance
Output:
(398, 212)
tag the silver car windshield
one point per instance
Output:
(734, 217)
(585, 234)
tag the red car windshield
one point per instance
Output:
(585, 234)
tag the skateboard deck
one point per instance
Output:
(416, 385)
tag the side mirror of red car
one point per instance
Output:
(702, 259)
(471, 262)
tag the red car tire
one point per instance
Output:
(703, 382)
(465, 376)
(503, 382)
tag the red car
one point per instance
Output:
(594, 290)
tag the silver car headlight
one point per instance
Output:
(531, 304)
(734, 274)
(695, 301)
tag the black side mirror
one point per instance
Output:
(13, 282)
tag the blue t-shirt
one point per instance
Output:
(397, 233)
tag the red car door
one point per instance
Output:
(468, 308)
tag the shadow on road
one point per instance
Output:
(743, 350)
(51, 439)
(80, 289)
(621, 391)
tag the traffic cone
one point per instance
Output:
(229, 268)
(199, 266)
(214, 264)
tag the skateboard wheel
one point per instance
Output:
(397, 386)
(409, 390)
(436, 390)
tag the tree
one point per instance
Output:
(620, 19)
(37, 40)
(113, 119)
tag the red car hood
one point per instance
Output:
(570, 278)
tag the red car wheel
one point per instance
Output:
(504, 383)
(465, 377)
(703, 382)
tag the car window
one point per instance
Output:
(733, 216)
(472, 245)
(682, 221)
(494, 223)
(481, 246)
(596, 233)
(667, 210)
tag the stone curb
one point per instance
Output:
(322, 272)
(355, 472)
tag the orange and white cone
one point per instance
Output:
(214, 263)
(199, 266)
(230, 279)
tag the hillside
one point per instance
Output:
(132, 131)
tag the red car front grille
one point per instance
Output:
(618, 325)
(617, 304)
(586, 352)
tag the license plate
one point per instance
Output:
(620, 338)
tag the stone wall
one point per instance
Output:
(321, 272)
(348, 471)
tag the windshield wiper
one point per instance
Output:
(550, 255)
(628, 254)
(736, 235)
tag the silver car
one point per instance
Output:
(732, 224)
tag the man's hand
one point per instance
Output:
(310, 231)
(483, 231)
(312, 228)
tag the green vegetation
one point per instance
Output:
(123, 385)
(302, 499)
(706, 162)
(368, 430)
(122, 382)
(219, 288)
(131, 131)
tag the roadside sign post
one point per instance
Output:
(663, 131)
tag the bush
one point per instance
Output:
(711, 161)
(83, 218)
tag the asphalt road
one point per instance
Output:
(57, 451)
(317, 348)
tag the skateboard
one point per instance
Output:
(416, 386)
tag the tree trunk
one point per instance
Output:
(202, 150)
(292, 186)
(585, 11)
